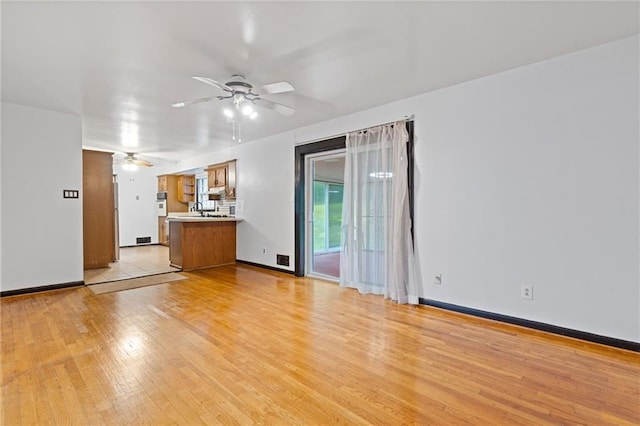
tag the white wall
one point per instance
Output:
(527, 176)
(265, 187)
(137, 204)
(531, 176)
(41, 231)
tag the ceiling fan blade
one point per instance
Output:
(142, 163)
(282, 109)
(214, 83)
(130, 158)
(195, 101)
(279, 87)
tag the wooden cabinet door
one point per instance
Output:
(211, 177)
(162, 184)
(217, 177)
(162, 231)
(221, 177)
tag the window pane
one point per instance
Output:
(201, 191)
(319, 216)
(335, 214)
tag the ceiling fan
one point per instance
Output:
(131, 163)
(241, 93)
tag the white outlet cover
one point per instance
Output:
(526, 292)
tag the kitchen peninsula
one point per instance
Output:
(201, 242)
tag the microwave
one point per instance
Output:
(161, 196)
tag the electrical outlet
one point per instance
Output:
(526, 292)
(264, 250)
(437, 279)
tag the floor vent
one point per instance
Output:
(143, 240)
(283, 260)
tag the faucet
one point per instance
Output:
(195, 208)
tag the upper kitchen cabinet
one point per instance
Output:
(223, 176)
(170, 184)
(98, 209)
(186, 188)
(162, 183)
(218, 176)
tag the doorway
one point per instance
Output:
(301, 214)
(138, 257)
(324, 194)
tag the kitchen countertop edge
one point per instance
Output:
(202, 219)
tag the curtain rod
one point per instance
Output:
(406, 118)
(364, 129)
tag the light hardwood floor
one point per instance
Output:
(242, 345)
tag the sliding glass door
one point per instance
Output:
(327, 216)
(325, 186)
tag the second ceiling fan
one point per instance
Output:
(241, 93)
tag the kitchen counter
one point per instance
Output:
(201, 242)
(195, 217)
(202, 219)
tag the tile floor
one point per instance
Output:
(134, 262)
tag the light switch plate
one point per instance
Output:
(70, 193)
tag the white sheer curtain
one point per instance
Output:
(377, 250)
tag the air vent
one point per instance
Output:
(143, 240)
(281, 259)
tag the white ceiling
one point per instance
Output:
(121, 64)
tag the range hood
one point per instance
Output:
(216, 191)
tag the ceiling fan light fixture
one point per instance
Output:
(129, 166)
(239, 92)
(247, 110)
(238, 98)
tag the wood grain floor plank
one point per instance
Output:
(242, 345)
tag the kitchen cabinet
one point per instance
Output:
(98, 209)
(162, 231)
(162, 183)
(223, 176)
(170, 185)
(218, 176)
(174, 204)
(186, 188)
(197, 244)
